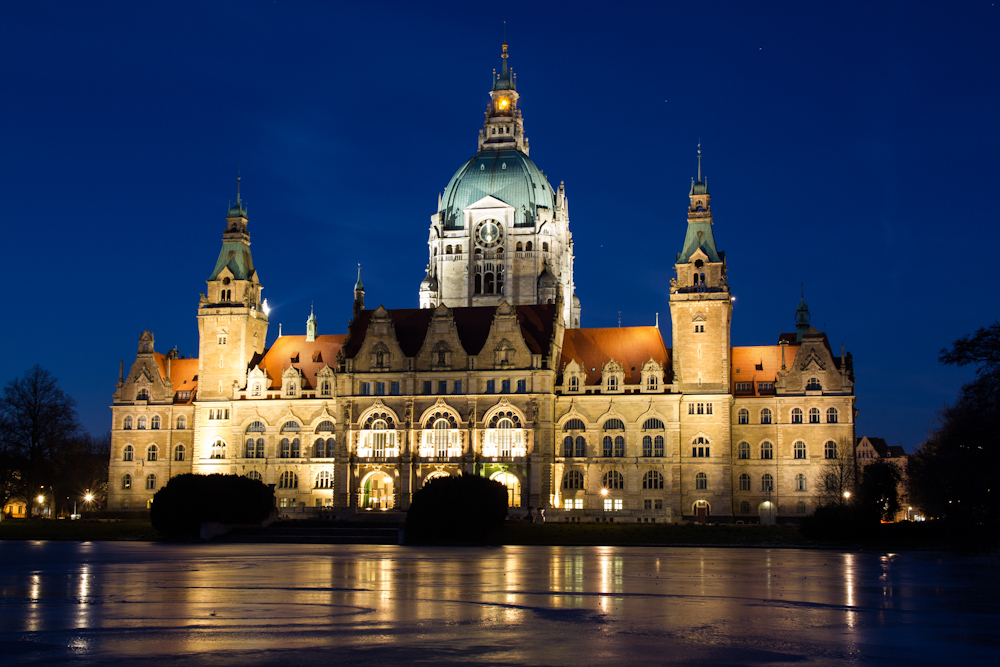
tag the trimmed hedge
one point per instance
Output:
(456, 509)
(180, 507)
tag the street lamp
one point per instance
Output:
(847, 495)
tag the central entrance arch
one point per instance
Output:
(513, 487)
(377, 492)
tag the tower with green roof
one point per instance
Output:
(501, 229)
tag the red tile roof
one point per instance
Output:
(760, 363)
(629, 346)
(183, 374)
(311, 357)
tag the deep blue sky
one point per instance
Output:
(854, 147)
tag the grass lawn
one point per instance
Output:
(20, 529)
(614, 534)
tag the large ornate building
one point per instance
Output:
(493, 375)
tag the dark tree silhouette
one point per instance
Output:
(36, 420)
(878, 491)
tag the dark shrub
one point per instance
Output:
(838, 522)
(456, 509)
(180, 507)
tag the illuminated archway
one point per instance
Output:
(513, 487)
(377, 492)
(766, 511)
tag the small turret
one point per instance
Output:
(311, 327)
(801, 317)
(359, 292)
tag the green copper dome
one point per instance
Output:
(509, 175)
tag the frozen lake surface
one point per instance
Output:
(151, 604)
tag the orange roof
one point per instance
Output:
(629, 346)
(760, 363)
(183, 373)
(311, 357)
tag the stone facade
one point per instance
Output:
(589, 424)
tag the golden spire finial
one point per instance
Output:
(699, 160)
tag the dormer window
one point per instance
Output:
(814, 385)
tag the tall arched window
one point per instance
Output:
(766, 482)
(127, 423)
(743, 450)
(181, 423)
(800, 482)
(325, 388)
(652, 480)
(796, 415)
(255, 476)
(653, 424)
(744, 416)
(141, 423)
(830, 450)
(320, 448)
(613, 480)
(813, 415)
(324, 480)
(608, 446)
(295, 448)
(573, 480)
(288, 480)
(766, 450)
(260, 448)
(250, 449)
(619, 445)
(744, 482)
(150, 482)
(380, 437)
(568, 446)
(765, 416)
(154, 423)
(658, 446)
(647, 445)
(442, 428)
(831, 415)
(151, 453)
(581, 446)
(179, 453)
(574, 425)
(218, 449)
(128, 453)
(800, 449)
(701, 481)
(286, 448)
(126, 481)
(505, 436)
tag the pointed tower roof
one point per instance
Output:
(802, 316)
(504, 80)
(235, 252)
(358, 286)
(699, 234)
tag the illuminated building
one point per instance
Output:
(492, 374)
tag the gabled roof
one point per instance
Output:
(630, 346)
(473, 324)
(183, 373)
(236, 256)
(311, 357)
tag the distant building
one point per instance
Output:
(493, 375)
(870, 449)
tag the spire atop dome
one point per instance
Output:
(237, 210)
(504, 81)
(311, 325)
(699, 187)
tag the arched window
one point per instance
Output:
(766, 450)
(218, 449)
(568, 446)
(800, 482)
(607, 446)
(290, 427)
(574, 383)
(796, 415)
(800, 507)
(813, 415)
(154, 423)
(744, 416)
(320, 448)
(128, 453)
(613, 383)
(619, 445)
(830, 481)
(743, 450)
(380, 437)
(813, 385)
(150, 482)
(151, 453)
(458, 249)
(442, 437)
(574, 425)
(256, 427)
(141, 423)
(744, 482)
(766, 482)
(653, 424)
(324, 480)
(519, 247)
(658, 445)
(545, 247)
(527, 246)
(700, 447)
(179, 453)
(260, 448)
(295, 448)
(765, 416)
(325, 388)
(831, 415)
(830, 450)
(652, 480)
(479, 282)
(325, 426)
(745, 507)
(614, 425)
(573, 480)
(613, 480)
(488, 282)
(800, 449)
(181, 423)
(255, 476)
(127, 424)
(701, 481)
(249, 451)
(647, 445)
(288, 480)
(286, 449)
(581, 446)
(448, 250)
(142, 395)
(126, 481)
(505, 436)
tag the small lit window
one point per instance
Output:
(743, 450)
(830, 450)
(800, 482)
(813, 415)
(701, 481)
(744, 482)
(800, 449)
(766, 483)
(765, 416)
(744, 416)
(766, 450)
(831, 415)
(796, 415)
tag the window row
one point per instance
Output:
(152, 453)
(612, 480)
(767, 416)
(651, 446)
(800, 507)
(614, 424)
(290, 448)
(700, 408)
(767, 482)
(150, 482)
(798, 450)
(154, 422)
